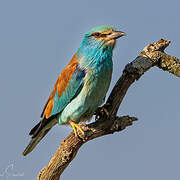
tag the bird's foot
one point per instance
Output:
(75, 127)
(102, 111)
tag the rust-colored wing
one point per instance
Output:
(69, 82)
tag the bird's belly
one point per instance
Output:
(91, 96)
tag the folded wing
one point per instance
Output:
(67, 87)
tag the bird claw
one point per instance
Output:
(75, 127)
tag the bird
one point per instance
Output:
(81, 87)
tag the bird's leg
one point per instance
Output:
(75, 126)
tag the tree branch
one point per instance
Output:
(107, 122)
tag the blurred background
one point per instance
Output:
(38, 39)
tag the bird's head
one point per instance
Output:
(102, 36)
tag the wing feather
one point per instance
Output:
(67, 86)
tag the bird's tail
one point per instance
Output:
(38, 132)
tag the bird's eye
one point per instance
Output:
(97, 34)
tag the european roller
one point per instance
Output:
(81, 87)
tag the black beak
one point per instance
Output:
(116, 34)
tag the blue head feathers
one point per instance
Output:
(99, 42)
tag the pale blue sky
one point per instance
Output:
(38, 38)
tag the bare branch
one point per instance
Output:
(108, 123)
(71, 144)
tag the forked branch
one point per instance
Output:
(107, 121)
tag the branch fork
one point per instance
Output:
(107, 121)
